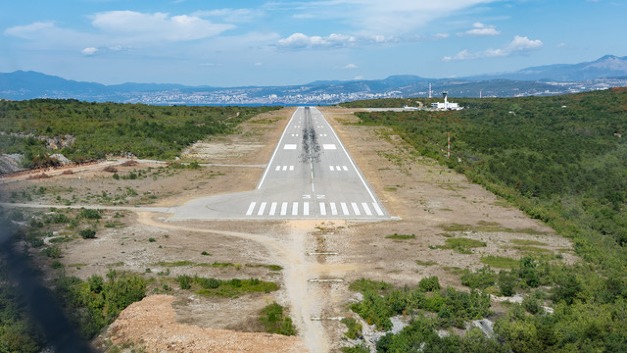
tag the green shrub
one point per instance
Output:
(274, 320)
(90, 214)
(87, 233)
(507, 282)
(429, 284)
(53, 252)
(185, 281)
(353, 328)
(482, 278)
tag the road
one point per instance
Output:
(309, 176)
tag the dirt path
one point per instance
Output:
(290, 253)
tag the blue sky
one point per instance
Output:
(273, 42)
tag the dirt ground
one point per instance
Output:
(431, 202)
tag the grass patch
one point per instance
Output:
(233, 288)
(269, 267)
(425, 263)
(181, 263)
(500, 261)
(396, 236)
(362, 285)
(488, 227)
(57, 240)
(527, 242)
(532, 250)
(220, 265)
(462, 245)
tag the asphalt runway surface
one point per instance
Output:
(309, 176)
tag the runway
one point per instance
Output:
(309, 176)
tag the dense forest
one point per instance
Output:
(562, 160)
(90, 131)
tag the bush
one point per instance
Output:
(185, 281)
(507, 282)
(53, 252)
(480, 279)
(90, 214)
(354, 328)
(429, 284)
(274, 320)
(87, 233)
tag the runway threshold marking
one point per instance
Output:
(344, 208)
(262, 208)
(251, 208)
(366, 208)
(377, 209)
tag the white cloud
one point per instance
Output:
(441, 35)
(349, 67)
(300, 40)
(231, 15)
(156, 26)
(519, 45)
(479, 29)
(390, 17)
(89, 51)
(29, 31)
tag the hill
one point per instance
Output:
(608, 71)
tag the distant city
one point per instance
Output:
(606, 72)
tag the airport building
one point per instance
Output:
(446, 105)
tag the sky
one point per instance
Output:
(272, 42)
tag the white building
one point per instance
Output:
(446, 105)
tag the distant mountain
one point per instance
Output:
(608, 71)
(605, 67)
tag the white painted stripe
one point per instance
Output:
(353, 165)
(273, 209)
(331, 167)
(284, 134)
(251, 208)
(262, 208)
(344, 208)
(377, 209)
(333, 209)
(283, 208)
(366, 208)
(278, 167)
(345, 168)
(306, 209)
(337, 167)
(323, 209)
(284, 168)
(329, 146)
(289, 146)
(295, 209)
(356, 209)
(291, 168)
